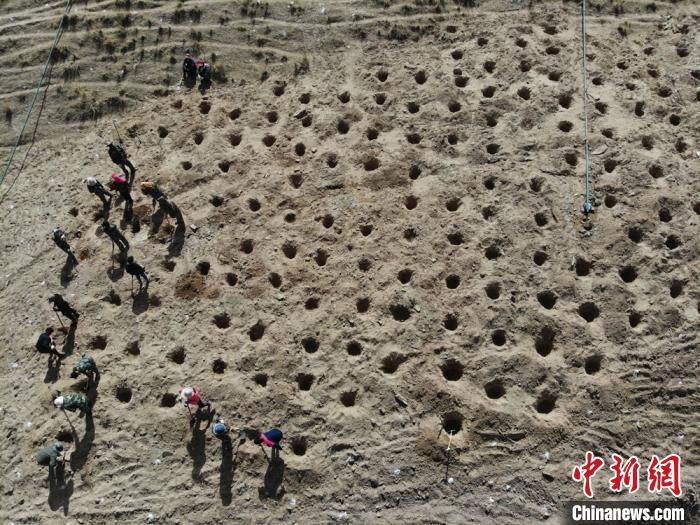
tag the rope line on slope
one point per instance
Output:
(59, 31)
(587, 204)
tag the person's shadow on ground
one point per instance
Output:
(82, 446)
(120, 256)
(67, 274)
(128, 215)
(105, 212)
(60, 489)
(274, 476)
(91, 389)
(115, 273)
(69, 340)
(156, 221)
(226, 470)
(53, 369)
(177, 243)
(54, 363)
(141, 301)
(196, 447)
(101, 214)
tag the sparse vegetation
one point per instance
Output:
(59, 54)
(218, 73)
(70, 22)
(252, 9)
(91, 109)
(71, 73)
(301, 68)
(181, 15)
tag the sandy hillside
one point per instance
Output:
(384, 242)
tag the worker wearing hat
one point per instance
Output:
(121, 186)
(48, 456)
(116, 236)
(73, 402)
(220, 429)
(59, 238)
(86, 366)
(204, 71)
(189, 70)
(136, 270)
(61, 305)
(120, 157)
(271, 438)
(152, 190)
(96, 188)
(190, 396)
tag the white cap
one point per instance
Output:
(91, 181)
(187, 392)
(58, 402)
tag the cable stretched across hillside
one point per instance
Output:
(47, 66)
(587, 204)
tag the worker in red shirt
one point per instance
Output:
(190, 396)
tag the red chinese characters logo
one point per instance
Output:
(665, 474)
(662, 474)
(586, 472)
(626, 474)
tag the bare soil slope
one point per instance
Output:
(384, 242)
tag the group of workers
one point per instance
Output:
(122, 186)
(188, 396)
(191, 69)
(72, 402)
(86, 365)
(45, 344)
(191, 398)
